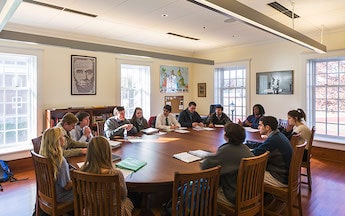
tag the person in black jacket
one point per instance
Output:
(189, 117)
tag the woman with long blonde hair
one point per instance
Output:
(98, 160)
(51, 148)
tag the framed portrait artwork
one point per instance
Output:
(275, 82)
(201, 89)
(83, 75)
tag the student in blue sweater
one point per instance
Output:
(278, 164)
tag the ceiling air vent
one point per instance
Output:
(182, 36)
(59, 8)
(282, 9)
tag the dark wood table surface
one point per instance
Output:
(158, 151)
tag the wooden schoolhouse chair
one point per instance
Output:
(96, 194)
(196, 193)
(290, 195)
(250, 188)
(307, 159)
(36, 142)
(46, 199)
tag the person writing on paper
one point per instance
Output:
(138, 120)
(166, 120)
(98, 160)
(218, 117)
(71, 147)
(82, 131)
(51, 148)
(253, 120)
(189, 117)
(278, 164)
(115, 125)
(229, 156)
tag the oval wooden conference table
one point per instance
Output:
(158, 150)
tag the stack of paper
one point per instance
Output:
(114, 144)
(131, 164)
(150, 130)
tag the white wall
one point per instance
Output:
(277, 56)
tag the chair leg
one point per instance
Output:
(309, 176)
(300, 202)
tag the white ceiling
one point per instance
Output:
(141, 21)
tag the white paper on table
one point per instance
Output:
(249, 129)
(200, 153)
(80, 164)
(218, 126)
(208, 129)
(181, 131)
(125, 172)
(114, 144)
(182, 128)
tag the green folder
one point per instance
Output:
(131, 164)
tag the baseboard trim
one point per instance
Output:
(328, 154)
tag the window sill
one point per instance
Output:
(331, 143)
(15, 152)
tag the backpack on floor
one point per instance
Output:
(5, 172)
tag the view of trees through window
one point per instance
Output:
(328, 96)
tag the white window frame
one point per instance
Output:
(311, 102)
(144, 88)
(33, 60)
(240, 110)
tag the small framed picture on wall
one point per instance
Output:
(201, 89)
(83, 75)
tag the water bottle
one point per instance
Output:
(124, 134)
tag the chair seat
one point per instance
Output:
(281, 192)
(62, 208)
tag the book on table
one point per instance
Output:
(192, 156)
(131, 164)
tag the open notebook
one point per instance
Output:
(192, 156)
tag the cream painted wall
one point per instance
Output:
(277, 56)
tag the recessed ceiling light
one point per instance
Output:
(164, 15)
(204, 27)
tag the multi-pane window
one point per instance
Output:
(135, 88)
(230, 89)
(327, 96)
(17, 99)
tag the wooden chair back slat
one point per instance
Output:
(96, 194)
(196, 193)
(36, 142)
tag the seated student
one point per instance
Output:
(189, 117)
(278, 164)
(51, 148)
(82, 131)
(71, 147)
(98, 160)
(115, 125)
(218, 117)
(234, 136)
(296, 119)
(253, 120)
(138, 120)
(166, 120)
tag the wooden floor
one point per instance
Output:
(326, 199)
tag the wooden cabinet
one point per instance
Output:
(97, 114)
